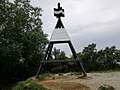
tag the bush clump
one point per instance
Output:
(106, 87)
(28, 86)
(43, 76)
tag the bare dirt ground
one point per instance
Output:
(74, 82)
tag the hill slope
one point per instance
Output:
(74, 82)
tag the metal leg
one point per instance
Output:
(50, 49)
(72, 49)
(44, 58)
(82, 68)
(75, 56)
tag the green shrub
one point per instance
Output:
(29, 86)
(40, 77)
(77, 73)
(28, 80)
(43, 76)
(106, 87)
(19, 86)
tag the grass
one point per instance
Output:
(29, 85)
(43, 76)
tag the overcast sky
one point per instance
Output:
(86, 21)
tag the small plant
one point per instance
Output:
(28, 80)
(40, 77)
(106, 87)
(43, 76)
(77, 73)
(71, 74)
(19, 86)
(60, 74)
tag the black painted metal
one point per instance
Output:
(59, 42)
(45, 59)
(57, 61)
(60, 11)
(59, 14)
(75, 56)
(59, 24)
(72, 49)
(50, 49)
(48, 52)
(82, 68)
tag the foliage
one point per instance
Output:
(57, 54)
(106, 87)
(88, 56)
(43, 76)
(104, 59)
(28, 86)
(91, 58)
(22, 41)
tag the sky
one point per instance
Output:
(86, 21)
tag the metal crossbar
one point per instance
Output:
(57, 61)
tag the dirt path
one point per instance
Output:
(92, 82)
(64, 85)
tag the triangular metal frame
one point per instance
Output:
(55, 39)
(48, 53)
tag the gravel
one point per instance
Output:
(95, 80)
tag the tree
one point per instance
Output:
(88, 57)
(117, 55)
(109, 57)
(103, 60)
(22, 41)
(57, 54)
